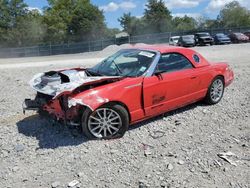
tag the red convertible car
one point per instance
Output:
(128, 87)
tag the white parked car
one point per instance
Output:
(174, 40)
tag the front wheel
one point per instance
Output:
(215, 91)
(107, 122)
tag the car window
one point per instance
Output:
(196, 58)
(172, 62)
(128, 62)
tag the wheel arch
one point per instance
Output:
(221, 76)
(119, 103)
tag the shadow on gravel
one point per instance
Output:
(168, 114)
(49, 134)
(52, 135)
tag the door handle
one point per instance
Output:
(194, 77)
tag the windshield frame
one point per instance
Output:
(149, 72)
(187, 37)
(203, 34)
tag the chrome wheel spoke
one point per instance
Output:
(114, 123)
(105, 132)
(95, 123)
(99, 132)
(96, 128)
(104, 113)
(110, 114)
(114, 118)
(114, 128)
(109, 130)
(95, 118)
(98, 113)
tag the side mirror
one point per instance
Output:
(158, 72)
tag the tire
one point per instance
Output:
(215, 91)
(117, 127)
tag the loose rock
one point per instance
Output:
(55, 184)
(170, 167)
(19, 147)
(181, 162)
(73, 183)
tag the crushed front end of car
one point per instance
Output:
(55, 90)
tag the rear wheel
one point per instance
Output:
(215, 91)
(107, 122)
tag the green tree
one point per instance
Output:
(29, 30)
(110, 33)
(184, 23)
(57, 17)
(131, 24)
(126, 21)
(87, 22)
(11, 14)
(157, 16)
(73, 20)
(234, 15)
(4, 14)
(4, 21)
(17, 9)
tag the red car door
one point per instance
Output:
(173, 88)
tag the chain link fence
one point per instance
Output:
(80, 47)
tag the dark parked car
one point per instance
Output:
(238, 37)
(247, 34)
(221, 38)
(203, 38)
(186, 41)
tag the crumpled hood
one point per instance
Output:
(55, 83)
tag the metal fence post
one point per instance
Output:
(38, 50)
(50, 49)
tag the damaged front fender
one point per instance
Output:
(91, 99)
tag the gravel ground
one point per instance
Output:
(177, 149)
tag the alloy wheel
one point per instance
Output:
(104, 123)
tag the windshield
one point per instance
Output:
(239, 34)
(128, 63)
(221, 35)
(175, 38)
(188, 37)
(203, 34)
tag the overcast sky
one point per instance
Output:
(113, 9)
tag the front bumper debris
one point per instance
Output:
(29, 104)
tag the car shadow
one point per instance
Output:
(167, 114)
(50, 134)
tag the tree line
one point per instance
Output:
(157, 18)
(60, 22)
(79, 20)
